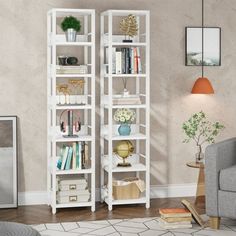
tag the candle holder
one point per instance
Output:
(64, 88)
(78, 85)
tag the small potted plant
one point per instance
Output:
(124, 117)
(70, 25)
(199, 129)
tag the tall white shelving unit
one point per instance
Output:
(85, 47)
(140, 84)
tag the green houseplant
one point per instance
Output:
(70, 25)
(199, 129)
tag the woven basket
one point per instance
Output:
(127, 191)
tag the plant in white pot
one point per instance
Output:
(70, 25)
(199, 129)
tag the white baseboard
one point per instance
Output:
(173, 190)
(32, 198)
(156, 191)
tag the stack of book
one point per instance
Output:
(125, 60)
(82, 69)
(126, 100)
(73, 157)
(72, 190)
(175, 218)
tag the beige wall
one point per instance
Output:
(23, 80)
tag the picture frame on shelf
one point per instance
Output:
(211, 46)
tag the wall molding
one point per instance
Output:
(156, 191)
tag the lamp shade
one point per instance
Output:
(202, 86)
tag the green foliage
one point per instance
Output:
(200, 129)
(70, 22)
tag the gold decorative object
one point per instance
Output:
(124, 149)
(64, 88)
(129, 27)
(77, 83)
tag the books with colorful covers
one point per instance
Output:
(174, 212)
(73, 157)
(176, 225)
(174, 218)
(64, 152)
(124, 60)
(69, 159)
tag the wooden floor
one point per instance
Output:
(42, 213)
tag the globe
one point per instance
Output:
(124, 149)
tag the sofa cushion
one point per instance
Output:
(228, 179)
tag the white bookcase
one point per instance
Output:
(138, 84)
(84, 50)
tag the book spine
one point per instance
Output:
(113, 60)
(139, 61)
(59, 161)
(77, 156)
(74, 156)
(123, 60)
(65, 155)
(83, 154)
(129, 59)
(118, 61)
(135, 61)
(132, 60)
(69, 158)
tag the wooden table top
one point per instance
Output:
(195, 165)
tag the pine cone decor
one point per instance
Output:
(129, 25)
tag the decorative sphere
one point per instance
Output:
(124, 148)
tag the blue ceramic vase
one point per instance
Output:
(124, 129)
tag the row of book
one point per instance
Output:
(73, 157)
(125, 60)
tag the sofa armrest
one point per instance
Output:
(217, 156)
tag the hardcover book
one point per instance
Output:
(175, 212)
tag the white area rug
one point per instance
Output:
(130, 227)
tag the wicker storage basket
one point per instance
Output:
(125, 189)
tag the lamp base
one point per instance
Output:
(127, 40)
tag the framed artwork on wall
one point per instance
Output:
(211, 46)
(8, 162)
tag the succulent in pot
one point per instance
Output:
(70, 25)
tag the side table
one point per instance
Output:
(200, 193)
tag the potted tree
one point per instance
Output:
(70, 25)
(199, 129)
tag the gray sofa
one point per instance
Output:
(220, 179)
